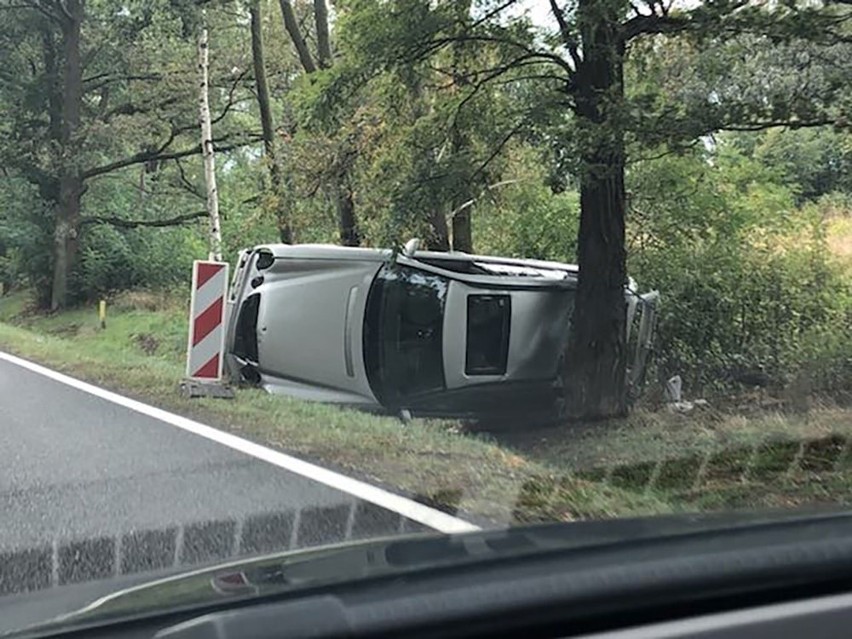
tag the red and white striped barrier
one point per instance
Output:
(204, 356)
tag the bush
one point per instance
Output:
(25, 239)
(114, 259)
(531, 222)
(750, 292)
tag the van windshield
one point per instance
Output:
(403, 333)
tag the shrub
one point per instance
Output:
(527, 220)
(114, 259)
(750, 292)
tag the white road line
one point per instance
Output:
(409, 508)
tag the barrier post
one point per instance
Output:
(205, 351)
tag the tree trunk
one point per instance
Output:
(67, 218)
(207, 150)
(292, 27)
(54, 88)
(5, 276)
(440, 238)
(459, 142)
(439, 233)
(323, 39)
(462, 233)
(596, 361)
(342, 190)
(279, 188)
(349, 235)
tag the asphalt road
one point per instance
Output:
(91, 490)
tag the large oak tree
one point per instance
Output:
(569, 68)
(91, 91)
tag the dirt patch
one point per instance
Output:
(152, 301)
(446, 500)
(147, 343)
(67, 330)
(633, 476)
(822, 455)
(678, 474)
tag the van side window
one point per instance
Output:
(245, 334)
(403, 333)
(488, 322)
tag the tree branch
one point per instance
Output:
(438, 43)
(160, 154)
(64, 10)
(35, 6)
(323, 41)
(496, 11)
(129, 108)
(95, 82)
(663, 22)
(491, 75)
(654, 24)
(132, 224)
(231, 100)
(292, 27)
(189, 186)
(771, 124)
(147, 156)
(565, 32)
(496, 151)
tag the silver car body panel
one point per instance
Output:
(313, 301)
(306, 338)
(535, 344)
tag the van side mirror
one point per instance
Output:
(411, 247)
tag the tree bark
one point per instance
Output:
(439, 233)
(67, 209)
(292, 27)
(440, 237)
(462, 232)
(279, 187)
(207, 149)
(348, 224)
(323, 39)
(54, 95)
(342, 191)
(595, 367)
(460, 203)
(5, 278)
(459, 142)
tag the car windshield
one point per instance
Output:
(283, 277)
(403, 333)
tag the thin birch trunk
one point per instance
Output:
(207, 150)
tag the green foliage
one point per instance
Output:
(748, 284)
(418, 122)
(818, 161)
(522, 217)
(25, 223)
(114, 260)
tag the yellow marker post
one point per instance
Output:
(102, 313)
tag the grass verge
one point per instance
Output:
(140, 353)
(651, 462)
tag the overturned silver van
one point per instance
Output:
(444, 334)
